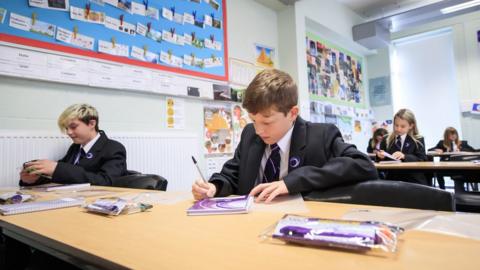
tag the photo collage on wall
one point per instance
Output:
(335, 85)
(334, 74)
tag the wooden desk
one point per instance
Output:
(429, 165)
(448, 154)
(166, 238)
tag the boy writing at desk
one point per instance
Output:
(280, 153)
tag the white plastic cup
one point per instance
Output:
(436, 159)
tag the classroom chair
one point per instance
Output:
(468, 201)
(139, 180)
(387, 193)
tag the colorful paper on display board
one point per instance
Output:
(166, 33)
(476, 108)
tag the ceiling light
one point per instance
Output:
(458, 7)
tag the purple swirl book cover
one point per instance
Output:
(221, 205)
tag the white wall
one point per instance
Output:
(424, 80)
(379, 66)
(35, 105)
(467, 65)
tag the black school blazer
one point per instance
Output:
(319, 159)
(106, 160)
(413, 151)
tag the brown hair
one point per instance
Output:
(378, 132)
(271, 87)
(407, 115)
(446, 141)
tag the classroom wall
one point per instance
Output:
(379, 66)
(329, 20)
(35, 105)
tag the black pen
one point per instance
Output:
(198, 169)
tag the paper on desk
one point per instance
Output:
(456, 224)
(166, 198)
(283, 204)
(388, 155)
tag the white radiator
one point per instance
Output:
(167, 155)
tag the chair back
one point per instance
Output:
(141, 181)
(464, 157)
(388, 193)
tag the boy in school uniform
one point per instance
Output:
(280, 153)
(92, 158)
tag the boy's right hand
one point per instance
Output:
(202, 190)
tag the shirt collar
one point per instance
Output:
(90, 144)
(284, 142)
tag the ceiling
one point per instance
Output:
(375, 9)
(367, 9)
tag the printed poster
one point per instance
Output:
(175, 113)
(218, 132)
(264, 56)
(240, 119)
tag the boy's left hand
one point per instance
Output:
(41, 167)
(268, 191)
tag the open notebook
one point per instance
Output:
(28, 207)
(221, 205)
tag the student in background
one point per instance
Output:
(405, 144)
(375, 141)
(451, 143)
(280, 153)
(92, 158)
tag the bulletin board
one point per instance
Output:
(187, 37)
(334, 74)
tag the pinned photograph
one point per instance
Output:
(217, 23)
(93, 16)
(50, 4)
(143, 55)
(222, 92)
(193, 91)
(188, 18)
(198, 23)
(125, 5)
(264, 56)
(43, 28)
(153, 13)
(214, 4)
(3, 14)
(25, 24)
(155, 35)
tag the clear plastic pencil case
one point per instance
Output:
(334, 233)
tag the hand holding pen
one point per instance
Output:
(202, 189)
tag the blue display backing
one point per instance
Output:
(100, 32)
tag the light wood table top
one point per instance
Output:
(429, 165)
(166, 238)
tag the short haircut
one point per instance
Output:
(82, 112)
(271, 87)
